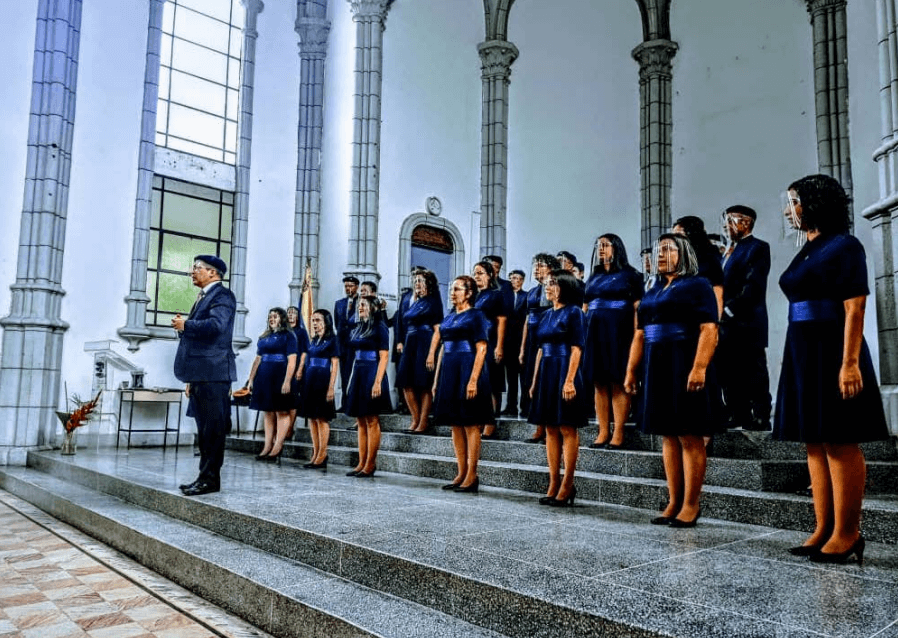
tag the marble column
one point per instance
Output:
(655, 126)
(244, 158)
(496, 57)
(369, 17)
(884, 213)
(313, 32)
(135, 329)
(830, 34)
(33, 331)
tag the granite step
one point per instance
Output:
(738, 504)
(281, 596)
(494, 559)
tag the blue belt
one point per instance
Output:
(608, 304)
(413, 329)
(450, 347)
(816, 310)
(318, 362)
(366, 355)
(657, 332)
(275, 358)
(555, 350)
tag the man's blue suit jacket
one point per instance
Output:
(745, 289)
(205, 352)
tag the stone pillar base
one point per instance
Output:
(15, 454)
(890, 403)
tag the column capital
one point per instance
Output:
(497, 57)
(313, 33)
(370, 9)
(654, 57)
(253, 9)
(816, 7)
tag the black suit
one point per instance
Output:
(205, 360)
(345, 315)
(741, 358)
(514, 334)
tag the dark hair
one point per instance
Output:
(694, 228)
(741, 209)
(714, 237)
(492, 284)
(563, 254)
(580, 266)
(328, 324)
(298, 314)
(282, 315)
(493, 258)
(365, 327)
(470, 287)
(619, 255)
(371, 284)
(824, 204)
(549, 260)
(430, 281)
(518, 271)
(568, 288)
(688, 261)
(351, 279)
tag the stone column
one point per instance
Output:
(884, 213)
(830, 34)
(655, 125)
(135, 329)
(370, 20)
(496, 57)
(33, 331)
(244, 159)
(313, 32)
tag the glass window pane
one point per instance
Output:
(176, 293)
(164, 318)
(233, 73)
(151, 289)
(165, 51)
(195, 126)
(201, 29)
(178, 144)
(198, 61)
(231, 136)
(227, 215)
(188, 215)
(194, 190)
(164, 76)
(236, 47)
(157, 181)
(198, 93)
(227, 198)
(161, 116)
(232, 105)
(161, 140)
(153, 255)
(214, 8)
(230, 158)
(168, 17)
(178, 252)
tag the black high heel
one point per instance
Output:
(661, 520)
(842, 557)
(450, 486)
(536, 439)
(366, 474)
(353, 473)
(546, 500)
(805, 550)
(472, 488)
(261, 457)
(318, 466)
(568, 501)
(676, 522)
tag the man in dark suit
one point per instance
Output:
(514, 333)
(741, 357)
(205, 362)
(345, 318)
(568, 261)
(508, 301)
(406, 297)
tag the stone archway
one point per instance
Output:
(417, 220)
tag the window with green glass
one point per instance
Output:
(187, 220)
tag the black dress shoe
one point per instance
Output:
(681, 524)
(186, 486)
(804, 550)
(546, 500)
(596, 446)
(661, 520)
(353, 472)
(472, 488)
(842, 557)
(612, 446)
(450, 486)
(201, 487)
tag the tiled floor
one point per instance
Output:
(53, 588)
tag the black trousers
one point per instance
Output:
(744, 379)
(212, 412)
(512, 381)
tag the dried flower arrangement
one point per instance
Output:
(81, 415)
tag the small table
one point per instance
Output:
(168, 396)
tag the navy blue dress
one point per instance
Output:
(609, 325)
(419, 320)
(492, 303)
(556, 334)
(316, 379)
(365, 347)
(460, 333)
(274, 350)
(535, 308)
(302, 346)
(670, 318)
(809, 406)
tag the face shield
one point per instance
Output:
(791, 207)
(665, 258)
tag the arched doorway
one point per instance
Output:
(432, 242)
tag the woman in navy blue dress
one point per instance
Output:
(543, 264)
(558, 403)
(710, 264)
(302, 345)
(269, 380)
(675, 340)
(828, 397)
(317, 388)
(368, 395)
(491, 301)
(415, 372)
(611, 297)
(462, 388)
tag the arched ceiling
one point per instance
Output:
(497, 18)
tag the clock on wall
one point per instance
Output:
(433, 205)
